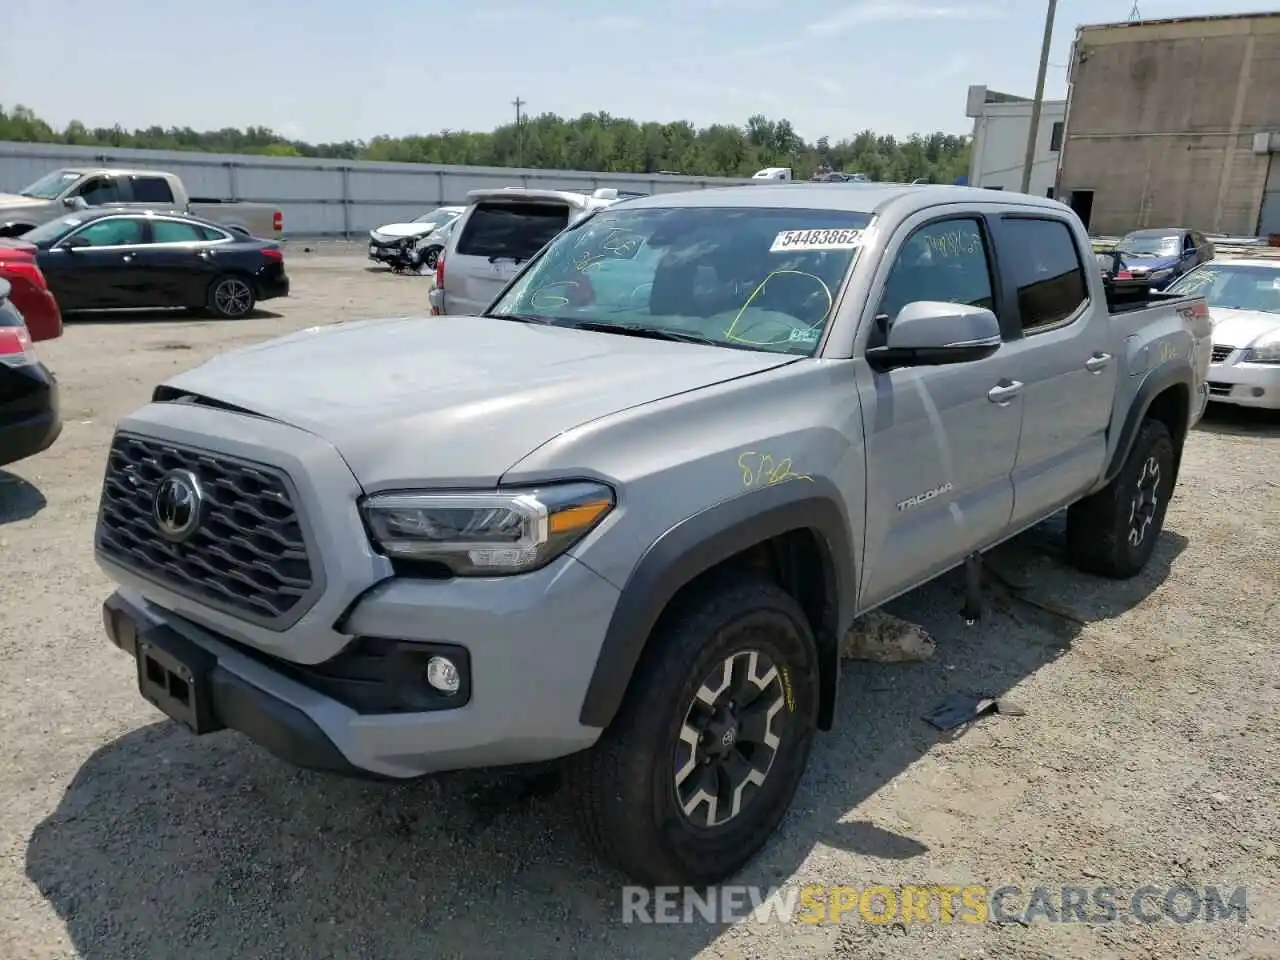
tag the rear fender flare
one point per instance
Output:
(1156, 383)
(699, 543)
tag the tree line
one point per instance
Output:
(593, 141)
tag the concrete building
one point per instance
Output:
(1175, 123)
(999, 150)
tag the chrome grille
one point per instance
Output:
(248, 557)
(1219, 354)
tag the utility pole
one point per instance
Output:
(518, 103)
(1036, 105)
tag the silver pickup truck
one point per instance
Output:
(624, 516)
(85, 187)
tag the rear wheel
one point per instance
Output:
(1113, 532)
(231, 296)
(706, 754)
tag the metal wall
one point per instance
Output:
(322, 198)
(1162, 118)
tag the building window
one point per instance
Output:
(1055, 138)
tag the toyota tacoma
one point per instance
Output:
(622, 517)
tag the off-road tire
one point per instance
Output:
(1099, 526)
(625, 786)
(222, 304)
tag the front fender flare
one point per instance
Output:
(703, 540)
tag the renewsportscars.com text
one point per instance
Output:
(935, 903)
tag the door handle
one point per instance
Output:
(127, 258)
(204, 254)
(1004, 391)
(1096, 363)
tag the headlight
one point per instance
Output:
(1161, 274)
(1266, 350)
(487, 533)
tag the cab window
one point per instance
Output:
(97, 191)
(945, 261)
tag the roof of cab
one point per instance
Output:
(853, 197)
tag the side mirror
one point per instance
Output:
(75, 203)
(74, 243)
(930, 333)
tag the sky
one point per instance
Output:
(322, 70)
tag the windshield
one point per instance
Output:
(1234, 286)
(52, 231)
(436, 217)
(752, 278)
(50, 185)
(1150, 245)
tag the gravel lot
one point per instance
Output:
(1147, 753)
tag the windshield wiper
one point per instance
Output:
(653, 333)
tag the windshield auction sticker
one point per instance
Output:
(788, 240)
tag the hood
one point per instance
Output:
(15, 201)
(396, 231)
(454, 400)
(1146, 264)
(1240, 328)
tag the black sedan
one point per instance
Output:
(117, 259)
(29, 418)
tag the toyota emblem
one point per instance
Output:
(178, 505)
(729, 736)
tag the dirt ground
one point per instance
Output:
(1147, 754)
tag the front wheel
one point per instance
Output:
(231, 297)
(705, 756)
(1113, 532)
(432, 255)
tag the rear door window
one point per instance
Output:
(1045, 264)
(507, 229)
(174, 231)
(151, 190)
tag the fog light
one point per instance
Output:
(443, 675)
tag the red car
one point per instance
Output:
(28, 290)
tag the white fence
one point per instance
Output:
(327, 198)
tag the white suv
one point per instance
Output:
(500, 230)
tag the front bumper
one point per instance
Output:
(1245, 384)
(388, 251)
(525, 668)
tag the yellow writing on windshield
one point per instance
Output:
(763, 470)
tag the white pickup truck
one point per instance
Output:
(80, 188)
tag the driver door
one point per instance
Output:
(93, 268)
(941, 441)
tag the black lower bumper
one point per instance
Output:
(185, 681)
(32, 423)
(271, 288)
